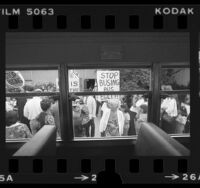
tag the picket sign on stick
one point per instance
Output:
(108, 81)
(74, 83)
(14, 79)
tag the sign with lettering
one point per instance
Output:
(108, 81)
(74, 83)
(14, 79)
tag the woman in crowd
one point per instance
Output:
(84, 114)
(124, 109)
(44, 118)
(15, 129)
(77, 119)
(112, 121)
(55, 112)
(142, 116)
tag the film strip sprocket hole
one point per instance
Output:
(110, 23)
(137, 67)
(37, 164)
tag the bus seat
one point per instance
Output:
(43, 143)
(152, 141)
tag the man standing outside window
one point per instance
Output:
(32, 107)
(91, 104)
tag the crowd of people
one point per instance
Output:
(25, 117)
(124, 115)
(175, 113)
(118, 116)
(121, 116)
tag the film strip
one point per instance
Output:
(72, 45)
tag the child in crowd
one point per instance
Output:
(44, 118)
(15, 129)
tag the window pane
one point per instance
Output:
(130, 79)
(175, 114)
(175, 78)
(25, 116)
(109, 116)
(30, 80)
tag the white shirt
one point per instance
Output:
(141, 102)
(105, 118)
(9, 107)
(170, 106)
(91, 104)
(32, 108)
(134, 109)
(104, 107)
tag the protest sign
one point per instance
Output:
(74, 84)
(14, 79)
(108, 81)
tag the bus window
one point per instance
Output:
(175, 100)
(107, 116)
(27, 107)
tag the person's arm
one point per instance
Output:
(123, 121)
(94, 108)
(127, 119)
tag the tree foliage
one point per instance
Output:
(134, 79)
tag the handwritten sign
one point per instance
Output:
(108, 81)
(74, 84)
(14, 79)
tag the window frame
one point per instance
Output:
(109, 65)
(64, 105)
(17, 94)
(163, 93)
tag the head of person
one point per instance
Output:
(11, 118)
(73, 97)
(45, 105)
(75, 106)
(81, 102)
(91, 87)
(144, 108)
(113, 104)
(187, 99)
(166, 88)
(124, 107)
(134, 100)
(54, 98)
